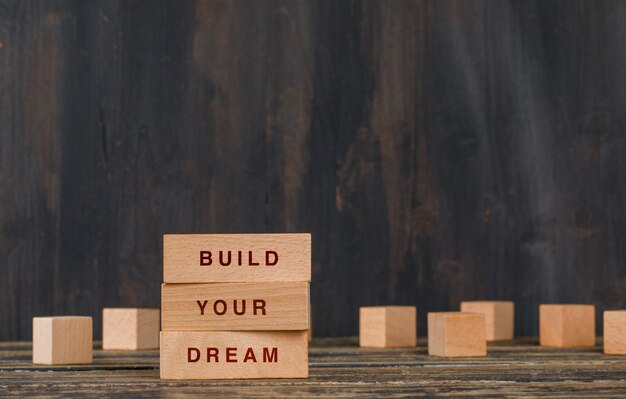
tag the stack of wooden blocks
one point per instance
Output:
(235, 306)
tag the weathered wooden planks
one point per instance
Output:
(456, 148)
(338, 367)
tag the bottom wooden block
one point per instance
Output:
(234, 355)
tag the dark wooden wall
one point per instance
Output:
(437, 150)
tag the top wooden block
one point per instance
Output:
(208, 258)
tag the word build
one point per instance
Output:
(209, 258)
(235, 306)
(226, 258)
(234, 354)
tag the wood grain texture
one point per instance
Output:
(499, 317)
(235, 306)
(338, 368)
(234, 355)
(456, 334)
(236, 257)
(437, 150)
(62, 340)
(615, 332)
(567, 325)
(387, 326)
(130, 328)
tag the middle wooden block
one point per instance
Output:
(235, 306)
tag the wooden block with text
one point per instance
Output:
(615, 332)
(456, 334)
(234, 355)
(62, 340)
(208, 258)
(130, 328)
(387, 326)
(499, 317)
(235, 306)
(567, 325)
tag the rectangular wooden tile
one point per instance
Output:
(235, 306)
(234, 355)
(206, 258)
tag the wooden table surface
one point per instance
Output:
(338, 368)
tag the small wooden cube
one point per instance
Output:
(456, 334)
(615, 332)
(567, 326)
(499, 317)
(130, 328)
(388, 326)
(62, 340)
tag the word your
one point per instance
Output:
(268, 356)
(225, 258)
(220, 307)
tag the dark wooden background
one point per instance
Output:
(437, 150)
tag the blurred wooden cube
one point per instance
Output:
(567, 325)
(499, 317)
(388, 326)
(62, 340)
(615, 332)
(130, 328)
(456, 334)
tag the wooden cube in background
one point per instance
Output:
(62, 340)
(615, 332)
(190, 355)
(499, 317)
(130, 328)
(388, 326)
(567, 325)
(456, 334)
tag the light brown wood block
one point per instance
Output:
(235, 306)
(499, 317)
(62, 340)
(130, 328)
(208, 258)
(234, 354)
(567, 325)
(387, 326)
(457, 334)
(615, 332)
